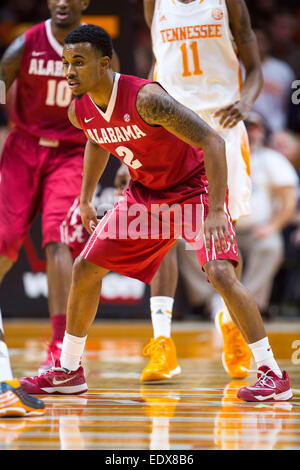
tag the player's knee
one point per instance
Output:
(220, 275)
(85, 273)
(80, 270)
(56, 249)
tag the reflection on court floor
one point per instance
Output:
(197, 410)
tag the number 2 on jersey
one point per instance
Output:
(128, 157)
(185, 63)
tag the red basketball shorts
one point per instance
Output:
(36, 178)
(132, 239)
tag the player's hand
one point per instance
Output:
(88, 216)
(216, 231)
(122, 179)
(231, 115)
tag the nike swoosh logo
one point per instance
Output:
(59, 382)
(36, 54)
(88, 120)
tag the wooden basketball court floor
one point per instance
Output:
(196, 410)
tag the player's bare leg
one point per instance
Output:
(236, 355)
(161, 349)
(5, 266)
(242, 306)
(82, 307)
(272, 384)
(59, 275)
(165, 280)
(84, 296)
(226, 317)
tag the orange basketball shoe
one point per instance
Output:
(14, 401)
(236, 356)
(163, 362)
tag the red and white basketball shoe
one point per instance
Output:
(269, 387)
(56, 381)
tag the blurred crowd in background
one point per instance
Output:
(271, 255)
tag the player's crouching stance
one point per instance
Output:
(173, 157)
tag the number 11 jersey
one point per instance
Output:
(196, 61)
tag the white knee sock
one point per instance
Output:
(263, 355)
(72, 351)
(161, 315)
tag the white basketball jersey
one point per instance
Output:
(195, 56)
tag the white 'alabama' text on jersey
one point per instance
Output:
(195, 56)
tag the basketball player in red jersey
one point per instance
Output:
(215, 91)
(42, 161)
(176, 162)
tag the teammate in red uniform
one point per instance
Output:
(176, 162)
(42, 161)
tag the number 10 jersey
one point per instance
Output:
(43, 95)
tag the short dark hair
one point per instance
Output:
(95, 35)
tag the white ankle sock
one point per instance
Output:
(161, 315)
(5, 369)
(263, 355)
(72, 351)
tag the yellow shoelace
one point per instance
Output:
(154, 349)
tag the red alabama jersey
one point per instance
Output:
(156, 159)
(43, 95)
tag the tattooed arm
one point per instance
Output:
(11, 60)
(245, 40)
(157, 107)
